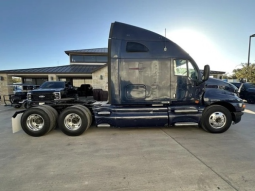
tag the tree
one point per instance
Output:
(229, 76)
(246, 72)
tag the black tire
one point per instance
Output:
(87, 113)
(90, 114)
(51, 116)
(36, 121)
(200, 125)
(12, 99)
(251, 99)
(53, 110)
(216, 119)
(17, 106)
(54, 115)
(73, 121)
(26, 105)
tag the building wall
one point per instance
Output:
(78, 82)
(100, 79)
(218, 76)
(4, 88)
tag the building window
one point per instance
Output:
(136, 47)
(34, 81)
(77, 58)
(89, 58)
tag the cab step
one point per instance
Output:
(186, 111)
(186, 124)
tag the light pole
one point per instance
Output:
(250, 49)
(248, 64)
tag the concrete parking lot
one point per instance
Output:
(174, 158)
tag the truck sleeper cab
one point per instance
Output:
(151, 82)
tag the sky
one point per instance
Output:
(35, 34)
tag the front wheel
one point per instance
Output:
(216, 119)
(17, 106)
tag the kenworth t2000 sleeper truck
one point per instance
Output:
(151, 82)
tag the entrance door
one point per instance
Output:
(184, 78)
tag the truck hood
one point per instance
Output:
(221, 85)
(213, 81)
(252, 90)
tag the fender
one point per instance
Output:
(213, 95)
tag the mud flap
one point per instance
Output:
(16, 123)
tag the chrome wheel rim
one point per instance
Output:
(35, 122)
(217, 120)
(72, 121)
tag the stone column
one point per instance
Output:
(100, 79)
(5, 89)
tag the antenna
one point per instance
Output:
(165, 49)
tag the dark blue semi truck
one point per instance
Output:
(152, 82)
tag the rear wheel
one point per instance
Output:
(54, 115)
(87, 113)
(73, 121)
(36, 121)
(216, 119)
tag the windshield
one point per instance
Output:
(237, 84)
(233, 86)
(52, 85)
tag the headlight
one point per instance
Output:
(29, 96)
(57, 95)
(241, 105)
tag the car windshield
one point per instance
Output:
(233, 86)
(237, 84)
(249, 85)
(52, 85)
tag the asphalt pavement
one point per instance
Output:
(172, 158)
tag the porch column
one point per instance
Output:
(4, 88)
(52, 77)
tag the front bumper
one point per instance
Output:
(236, 116)
(36, 103)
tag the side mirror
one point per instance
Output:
(206, 73)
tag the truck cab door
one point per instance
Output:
(184, 78)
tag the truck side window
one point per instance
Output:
(192, 72)
(180, 67)
(136, 47)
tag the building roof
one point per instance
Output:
(70, 69)
(90, 51)
(214, 72)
